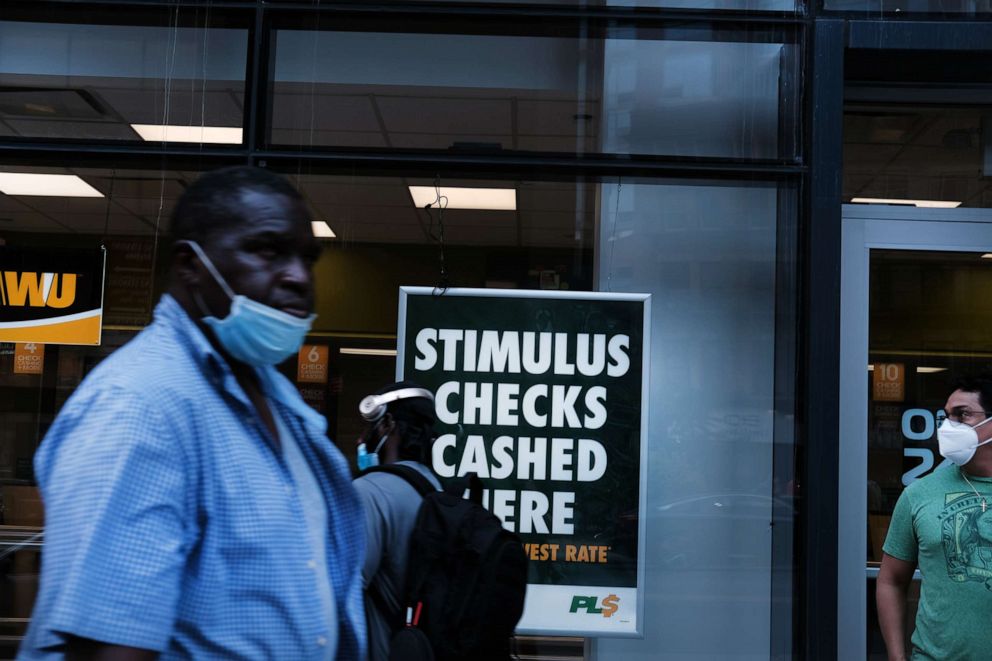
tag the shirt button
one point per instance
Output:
(321, 641)
(311, 564)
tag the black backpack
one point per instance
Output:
(466, 577)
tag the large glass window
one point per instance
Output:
(894, 8)
(934, 154)
(709, 255)
(748, 5)
(525, 93)
(123, 82)
(573, 89)
(384, 239)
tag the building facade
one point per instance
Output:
(802, 188)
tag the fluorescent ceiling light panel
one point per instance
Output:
(368, 352)
(930, 370)
(927, 204)
(483, 199)
(322, 230)
(45, 185)
(224, 135)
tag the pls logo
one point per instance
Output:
(53, 290)
(588, 604)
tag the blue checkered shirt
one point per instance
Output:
(172, 524)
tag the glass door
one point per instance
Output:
(913, 321)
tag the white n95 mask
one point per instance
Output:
(958, 441)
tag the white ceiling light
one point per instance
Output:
(46, 185)
(321, 229)
(987, 255)
(930, 370)
(368, 352)
(225, 135)
(485, 199)
(926, 204)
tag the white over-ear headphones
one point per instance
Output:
(373, 407)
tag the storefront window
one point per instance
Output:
(936, 154)
(709, 256)
(896, 7)
(730, 5)
(366, 114)
(560, 89)
(122, 82)
(384, 239)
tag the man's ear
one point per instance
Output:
(186, 265)
(387, 424)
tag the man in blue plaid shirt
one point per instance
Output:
(194, 505)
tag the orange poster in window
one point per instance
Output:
(312, 364)
(888, 382)
(29, 358)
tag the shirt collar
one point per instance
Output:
(169, 313)
(276, 386)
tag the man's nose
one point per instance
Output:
(297, 273)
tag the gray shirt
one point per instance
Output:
(391, 506)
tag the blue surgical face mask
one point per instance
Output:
(252, 332)
(369, 459)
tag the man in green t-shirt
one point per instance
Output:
(943, 524)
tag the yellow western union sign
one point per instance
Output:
(51, 297)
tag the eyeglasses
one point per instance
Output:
(965, 415)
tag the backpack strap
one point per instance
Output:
(422, 486)
(470, 481)
(412, 476)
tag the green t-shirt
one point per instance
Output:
(939, 524)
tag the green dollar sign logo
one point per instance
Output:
(610, 605)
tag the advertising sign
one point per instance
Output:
(542, 394)
(29, 358)
(51, 297)
(311, 364)
(128, 290)
(888, 382)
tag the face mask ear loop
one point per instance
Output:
(988, 440)
(381, 442)
(982, 423)
(210, 267)
(200, 304)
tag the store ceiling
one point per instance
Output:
(368, 210)
(358, 209)
(99, 108)
(917, 152)
(916, 126)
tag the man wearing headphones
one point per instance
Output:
(400, 429)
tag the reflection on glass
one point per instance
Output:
(707, 254)
(880, 8)
(749, 5)
(529, 93)
(100, 82)
(921, 152)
